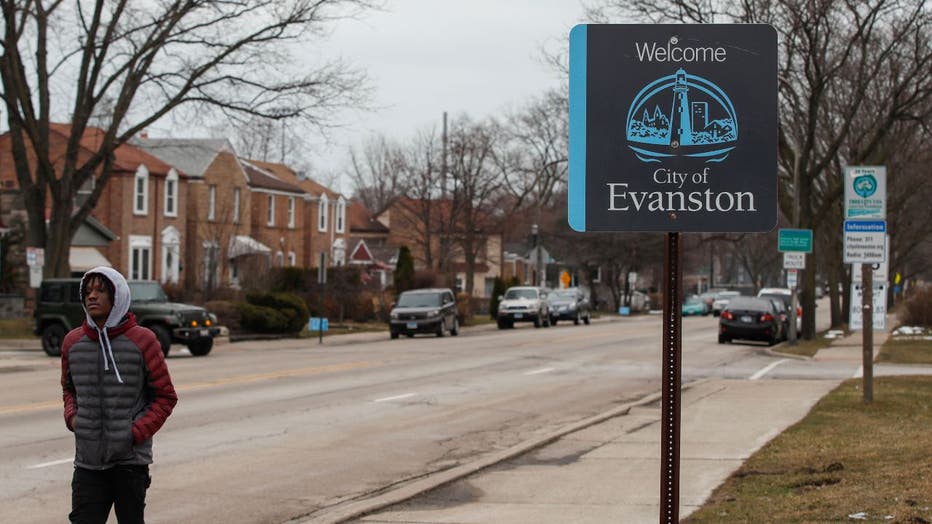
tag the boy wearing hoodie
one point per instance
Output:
(117, 394)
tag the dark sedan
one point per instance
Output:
(569, 304)
(424, 311)
(750, 318)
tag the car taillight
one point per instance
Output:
(727, 315)
(799, 312)
(766, 317)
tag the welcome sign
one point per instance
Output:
(673, 128)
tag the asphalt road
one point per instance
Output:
(266, 432)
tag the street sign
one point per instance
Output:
(792, 278)
(35, 256)
(865, 192)
(864, 241)
(799, 240)
(673, 128)
(794, 260)
(881, 271)
(879, 307)
(319, 324)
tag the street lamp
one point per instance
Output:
(535, 236)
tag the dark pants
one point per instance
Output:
(94, 492)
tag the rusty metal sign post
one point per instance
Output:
(672, 381)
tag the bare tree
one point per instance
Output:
(531, 153)
(377, 172)
(142, 61)
(421, 212)
(475, 184)
(847, 73)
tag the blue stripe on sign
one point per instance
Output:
(576, 185)
(866, 226)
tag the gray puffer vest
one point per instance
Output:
(107, 408)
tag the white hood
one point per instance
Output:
(121, 300)
(121, 297)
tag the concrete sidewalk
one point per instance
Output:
(607, 469)
(610, 471)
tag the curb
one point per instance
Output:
(347, 510)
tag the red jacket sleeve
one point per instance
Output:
(67, 386)
(159, 383)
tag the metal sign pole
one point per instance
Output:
(670, 402)
(867, 331)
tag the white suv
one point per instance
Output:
(523, 304)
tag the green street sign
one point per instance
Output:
(795, 240)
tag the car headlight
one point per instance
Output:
(394, 314)
(433, 313)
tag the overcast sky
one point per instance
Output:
(424, 57)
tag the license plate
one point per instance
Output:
(746, 318)
(204, 332)
(518, 315)
(411, 325)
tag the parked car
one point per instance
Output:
(569, 304)
(708, 297)
(694, 305)
(721, 300)
(424, 311)
(59, 310)
(750, 318)
(524, 304)
(784, 315)
(786, 296)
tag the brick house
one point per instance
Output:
(140, 210)
(220, 210)
(277, 220)
(324, 213)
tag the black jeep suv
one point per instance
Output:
(59, 310)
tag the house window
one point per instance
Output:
(271, 217)
(598, 275)
(322, 211)
(341, 215)
(171, 194)
(279, 259)
(291, 213)
(292, 259)
(141, 191)
(140, 257)
(211, 202)
(236, 205)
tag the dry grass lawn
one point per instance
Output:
(907, 350)
(843, 459)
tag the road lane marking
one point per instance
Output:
(31, 407)
(245, 379)
(760, 373)
(52, 463)
(240, 379)
(539, 371)
(396, 397)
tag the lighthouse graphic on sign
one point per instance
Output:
(682, 115)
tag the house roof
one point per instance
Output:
(127, 157)
(191, 155)
(361, 220)
(287, 174)
(261, 178)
